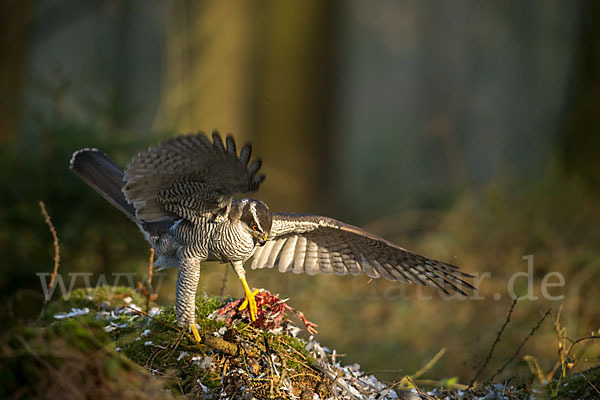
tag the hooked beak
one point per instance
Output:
(262, 239)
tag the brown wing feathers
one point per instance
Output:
(189, 176)
(314, 244)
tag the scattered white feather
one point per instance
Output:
(75, 312)
(202, 362)
(132, 308)
(293, 330)
(154, 311)
(112, 326)
(202, 387)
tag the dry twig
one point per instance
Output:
(581, 339)
(418, 389)
(145, 314)
(55, 242)
(149, 294)
(588, 381)
(496, 341)
(533, 330)
(427, 367)
(56, 255)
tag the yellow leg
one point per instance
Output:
(245, 302)
(249, 302)
(195, 332)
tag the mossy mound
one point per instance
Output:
(73, 359)
(115, 343)
(239, 359)
(584, 385)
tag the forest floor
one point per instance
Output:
(117, 343)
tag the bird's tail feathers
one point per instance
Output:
(104, 176)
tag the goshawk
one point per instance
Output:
(180, 194)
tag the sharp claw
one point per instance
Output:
(251, 302)
(195, 332)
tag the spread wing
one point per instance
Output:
(189, 177)
(313, 244)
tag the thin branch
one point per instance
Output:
(588, 381)
(533, 330)
(418, 389)
(427, 367)
(145, 314)
(56, 255)
(150, 262)
(496, 341)
(55, 240)
(581, 339)
(208, 340)
(430, 364)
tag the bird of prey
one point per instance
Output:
(180, 194)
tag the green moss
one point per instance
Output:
(167, 343)
(161, 350)
(300, 346)
(205, 305)
(44, 361)
(577, 386)
(81, 333)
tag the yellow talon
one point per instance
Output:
(249, 300)
(245, 303)
(195, 332)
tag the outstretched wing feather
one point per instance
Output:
(286, 258)
(312, 244)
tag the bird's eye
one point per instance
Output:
(254, 227)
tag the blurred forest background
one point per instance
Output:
(467, 131)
